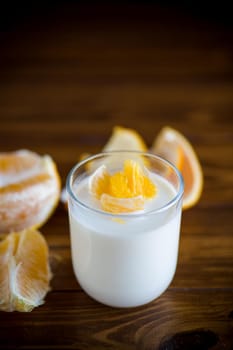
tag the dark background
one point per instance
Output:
(14, 14)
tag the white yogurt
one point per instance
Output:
(126, 260)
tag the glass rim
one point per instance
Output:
(134, 215)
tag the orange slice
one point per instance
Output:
(175, 147)
(125, 139)
(29, 190)
(24, 271)
(123, 191)
(122, 139)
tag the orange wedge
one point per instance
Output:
(125, 139)
(24, 271)
(29, 190)
(123, 191)
(175, 147)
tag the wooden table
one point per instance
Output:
(68, 74)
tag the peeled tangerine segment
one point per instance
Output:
(138, 179)
(24, 271)
(123, 191)
(99, 181)
(121, 205)
(125, 139)
(29, 190)
(175, 147)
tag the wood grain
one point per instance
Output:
(68, 74)
(73, 320)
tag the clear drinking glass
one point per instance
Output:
(125, 260)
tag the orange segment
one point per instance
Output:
(173, 146)
(138, 181)
(149, 189)
(24, 271)
(99, 181)
(12, 163)
(125, 139)
(29, 190)
(135, 177)
(119, 186)
(130, 183)
(121, 205)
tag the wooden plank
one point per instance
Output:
(73, 320)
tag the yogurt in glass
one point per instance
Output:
(125, 259)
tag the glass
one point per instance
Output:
(125, 260)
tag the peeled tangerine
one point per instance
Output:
(124, 191)
(29, 190)
(24, 271)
